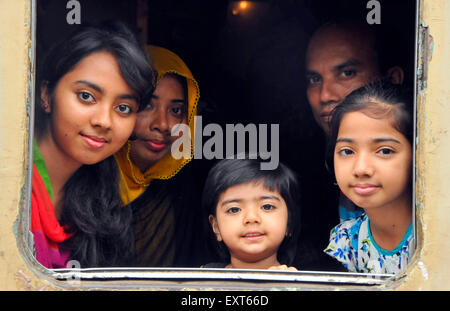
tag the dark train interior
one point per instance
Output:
(248, 58)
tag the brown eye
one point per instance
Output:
(348, 73)
(176, 110)
(345, 152)
(386, 151)
(125, 109)
(233, 210)
(85, 96)
(311, 80)
(268, 207)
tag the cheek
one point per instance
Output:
(173, 125)
(228, 227)
(313, 94)
(142, 123)
(341, 171)
(277, 224)
(64, 127)
(399, 175)
(123, 128)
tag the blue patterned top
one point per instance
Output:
(347, 209)
(352, 244)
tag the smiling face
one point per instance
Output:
(372, 162)
(92, 109)
(166, 109)
(338, 61)
(252, 222)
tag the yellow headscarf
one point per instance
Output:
(133, 181)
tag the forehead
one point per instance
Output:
(102, 69)
(248, 191)
(170, 83)
(97, 63)
(333, 46)
(361, 124)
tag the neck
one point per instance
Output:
(59, 167)
(389, 223)
(264, 263)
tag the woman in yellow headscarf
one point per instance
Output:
(159, 194)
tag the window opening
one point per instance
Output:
(248, 59)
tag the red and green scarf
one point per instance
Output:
(48, 233)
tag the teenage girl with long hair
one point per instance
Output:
(90, 87)
(371, 146)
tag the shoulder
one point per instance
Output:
(343, 244)
(348, 228)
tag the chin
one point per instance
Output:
(154, 157)
(365, 204)
(91, 161)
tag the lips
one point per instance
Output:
(326, 114)
(253, 236)
(326, 117)
(365, 189)
(94, 142)
(156, 145)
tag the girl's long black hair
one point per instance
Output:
(231, 172)
(92, 207)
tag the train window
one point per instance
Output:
(267, 70)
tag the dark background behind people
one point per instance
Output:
(248, 58)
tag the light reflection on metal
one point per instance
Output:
(205, 277)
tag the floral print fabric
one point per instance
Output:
(352, 244)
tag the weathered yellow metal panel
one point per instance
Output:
(432, 270)
(15, 30)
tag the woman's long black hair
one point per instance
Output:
(92, 207)
(231, 172)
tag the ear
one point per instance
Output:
(45, 98)
(215, 227)
(395, 75)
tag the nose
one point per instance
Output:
(159, 121)
(102, 116)
(252, 215)
(329, 93)
(363, 166)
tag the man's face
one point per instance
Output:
(338, 61)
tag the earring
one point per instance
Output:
(45, 106)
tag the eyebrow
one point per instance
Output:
(339, 67)
(310, 72)
(100, 90)
(348, 63)
(91, 85)
(129, 96)
(376, 140)
(176, 100)
(263, 197)
(383, 139)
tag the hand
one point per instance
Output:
(282, 267)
